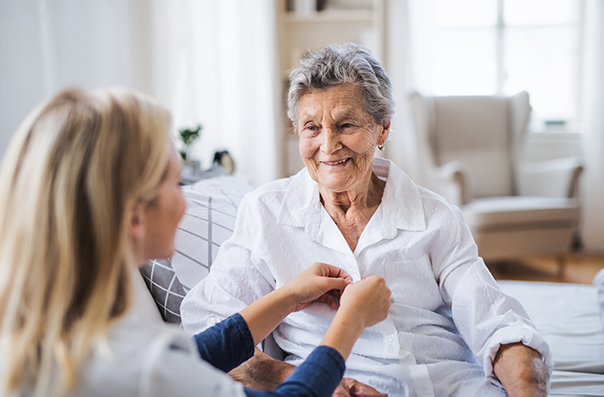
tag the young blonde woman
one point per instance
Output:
(89, 190)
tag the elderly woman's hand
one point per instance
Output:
(353, 388)
(319, 283)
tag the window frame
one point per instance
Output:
(570, 126)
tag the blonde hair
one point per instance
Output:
(71, 174)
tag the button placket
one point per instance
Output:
(353, 267)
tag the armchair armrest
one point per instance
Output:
(451, 180)
(550, 178)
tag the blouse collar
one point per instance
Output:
(401, 206)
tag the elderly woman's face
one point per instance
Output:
(338, 137)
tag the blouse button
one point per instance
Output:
(390, 338)
(511, 318)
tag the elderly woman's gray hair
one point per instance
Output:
(340, 64)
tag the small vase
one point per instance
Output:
(194, 165)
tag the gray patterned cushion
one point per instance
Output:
(207, 223)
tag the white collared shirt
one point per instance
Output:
(448, 316)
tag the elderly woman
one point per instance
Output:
(89, 190)
(450, 329)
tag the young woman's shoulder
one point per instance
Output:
(152, 359)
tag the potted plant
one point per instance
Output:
(187, 137)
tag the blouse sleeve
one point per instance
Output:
(318, 375)
(485, 316)
(227, 344)
(236, 278)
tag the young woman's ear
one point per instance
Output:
(136, 231)
(136, 223)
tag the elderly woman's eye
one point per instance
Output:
(346, 125)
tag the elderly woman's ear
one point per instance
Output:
(384, 134)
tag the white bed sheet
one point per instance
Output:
(567, 383)
(568, 317)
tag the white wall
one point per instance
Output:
(45, 47)
(23, 82)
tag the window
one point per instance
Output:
(485, 47)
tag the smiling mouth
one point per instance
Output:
(335, 162)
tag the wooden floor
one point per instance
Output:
(578, 268)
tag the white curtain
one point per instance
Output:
(593, 182)
(410, 40)
(48, 45)
(211, 62)
(401, 147)
(214, 64)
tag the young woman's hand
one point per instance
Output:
(362, 305)
(319, 283)
(368, 301)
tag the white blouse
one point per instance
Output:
(448, 316)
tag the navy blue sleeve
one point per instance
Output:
(227, 344)
(318, 375)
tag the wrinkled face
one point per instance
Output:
(338, 137)
(162, 215)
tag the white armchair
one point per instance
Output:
(470, 149)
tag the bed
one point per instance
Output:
(569, 316)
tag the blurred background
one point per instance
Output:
(223, 64)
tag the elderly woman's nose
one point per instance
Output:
(331, 141)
